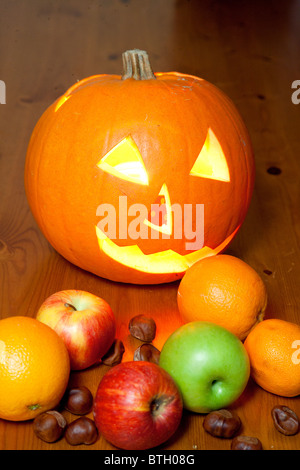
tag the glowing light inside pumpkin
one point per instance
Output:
(167, 226)
(125, 161)
(167, 261)
(211, 162)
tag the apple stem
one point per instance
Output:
(158, 402)
(70, 305)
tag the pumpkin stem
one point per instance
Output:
(136, 65)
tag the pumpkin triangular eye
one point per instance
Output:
(211, 162)
(125, 161)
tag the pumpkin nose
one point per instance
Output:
(160, 215)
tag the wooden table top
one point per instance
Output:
(250, 50)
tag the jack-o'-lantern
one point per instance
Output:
(136, 177)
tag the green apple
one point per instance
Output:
(209, 364)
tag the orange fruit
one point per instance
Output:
(225, 290)
(34, 368)
(273, 349)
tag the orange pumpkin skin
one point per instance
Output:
(168, 118)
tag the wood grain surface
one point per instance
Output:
(251, 50)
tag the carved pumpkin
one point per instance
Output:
(171, 144)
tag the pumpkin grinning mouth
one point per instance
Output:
(167, 261)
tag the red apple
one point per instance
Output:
(137, 406)
(84, 321)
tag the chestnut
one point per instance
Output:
(49, 426)
(78, 400)
(246, 443)
(81, 431)
(147, 352)
(222, 423)
(285, 420)
(114, 354)
(143, 327)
